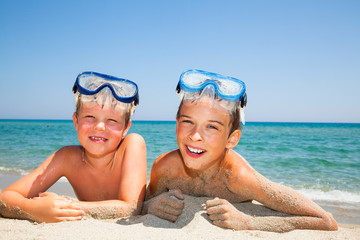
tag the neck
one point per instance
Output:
(210, 171)
(103, 165)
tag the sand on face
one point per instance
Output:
(193, 223)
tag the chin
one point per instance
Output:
(193, 164)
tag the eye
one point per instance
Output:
(213, 127)
(112, 120)
(187, 121)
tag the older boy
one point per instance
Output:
(208, 127)
(108, 170)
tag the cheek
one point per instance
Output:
(182, 132)
(215, 140)
(115, 126)
(84, 126)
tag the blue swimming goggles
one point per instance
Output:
(90, 83)
(227, 88)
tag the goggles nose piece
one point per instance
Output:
(208, 91)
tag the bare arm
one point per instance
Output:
(159, 200)
(308, 215)
(20, 200)
(249, 184)
(109, 208)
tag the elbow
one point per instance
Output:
(2, 204)
(135, 208)
(331, 224)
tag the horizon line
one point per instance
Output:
(44, 119)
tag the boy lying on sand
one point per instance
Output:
(108, 170)
(207, 128)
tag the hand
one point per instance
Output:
(224, 214)
(50, 207)
(168, 205)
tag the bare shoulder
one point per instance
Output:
(133, 140)
(68, 153)
(168, 164)
(133, 145)
(166, 167)
(238, 165)
(68, 157)
(243, 175)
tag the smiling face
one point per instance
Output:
(203, 134)
(100, 129)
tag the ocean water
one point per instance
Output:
(320, 160)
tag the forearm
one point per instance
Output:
(289, 223)
(14, 205)
(110, 208)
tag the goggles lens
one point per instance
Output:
(228, 88)
(90, 83)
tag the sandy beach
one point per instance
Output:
(192, 224)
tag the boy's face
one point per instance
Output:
(100, 129)
(203, 134)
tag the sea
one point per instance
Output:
(320, 160)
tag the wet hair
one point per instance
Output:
(79, 102)
(234, 117)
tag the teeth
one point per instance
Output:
(98, 138)
(194, 150)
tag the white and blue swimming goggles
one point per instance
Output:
(227, 88)
(91, 83)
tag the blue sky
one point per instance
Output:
(300, 60)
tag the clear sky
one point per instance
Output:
(300, 60)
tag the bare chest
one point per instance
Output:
(95, 189)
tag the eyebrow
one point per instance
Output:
(184, 116)
(218, 122)
(212, 121)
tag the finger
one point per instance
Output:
(177, 193)
(50, 194)
(46, 194)
(70, 213)
(215, 202)
(220, 223)
(173, 202)
(218, 209)
(67, 204)
(62, 219)
(170, 210)
(167, 216)
(217, 217)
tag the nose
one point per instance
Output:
(196, 136)
(100, 126)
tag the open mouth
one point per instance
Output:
(98, 139)
(194, 152)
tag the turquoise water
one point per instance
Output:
(321, 160)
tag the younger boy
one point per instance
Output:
(207, 128)
(108, 170)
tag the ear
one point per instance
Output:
(234, 139)
(75, 120)
(126, 129)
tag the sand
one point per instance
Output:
(193, 223)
